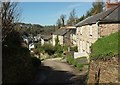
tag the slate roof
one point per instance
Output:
(111, 15)
(60, 32)
(46, 37)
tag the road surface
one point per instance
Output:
(56, 72)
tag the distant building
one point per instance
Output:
(46, 39)
(60, 34)
(31, 47)
(66, 36)
(37, 38)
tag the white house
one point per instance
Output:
(73, 37)
(46, 39)
(60, 33)
(31, 47)
(37, 37)
(66, 36)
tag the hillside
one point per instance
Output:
(106, 46)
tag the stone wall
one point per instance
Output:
(106, 29)
(104, 70)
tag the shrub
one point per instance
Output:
(74, 49)
(56, 51)
(74, 62)
(79, 66)
(65, 48)
(70, 59)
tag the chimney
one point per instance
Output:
(108, 1)
(110, 4)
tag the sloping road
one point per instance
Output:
(56, 72)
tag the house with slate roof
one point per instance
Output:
(60, 33)
(96, 26)
(46, 39)
(66, 36)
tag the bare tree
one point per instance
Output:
(72, 18)
(62, 17)
(10, 15)
(58, 23)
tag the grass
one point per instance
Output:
(74, 62)
(74, 48)
(106, 46)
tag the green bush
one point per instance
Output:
(74, 62)
(79, 66)
(47, 48)
(65, 48)
(57, 50)
(74, 49)
(70, 59)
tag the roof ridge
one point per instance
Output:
(110, 12)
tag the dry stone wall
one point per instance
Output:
(104, 71)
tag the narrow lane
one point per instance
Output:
(57, 72)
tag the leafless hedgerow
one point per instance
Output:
(10, 14)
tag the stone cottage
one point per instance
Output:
(66, 36)
(97, 26)
(46, 39)
(60, 33)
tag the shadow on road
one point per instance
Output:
(48, 75)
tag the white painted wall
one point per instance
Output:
(53, 39)
(73, 39)
(42, 41)
(79, 54)
(31, 46)
(86, 35)
(60, 40)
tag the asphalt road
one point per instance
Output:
(56, 72)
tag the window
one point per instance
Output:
(90, 30)
(81, 30)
